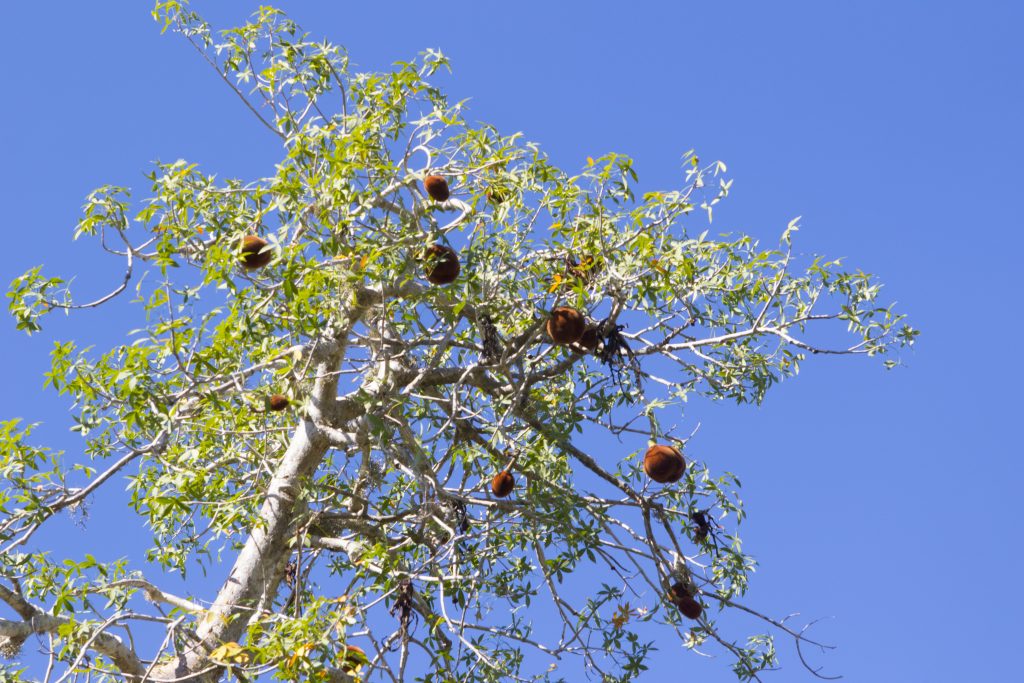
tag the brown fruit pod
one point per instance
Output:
(253, 255)
(442, 264)
(437, 187)
(664, 464)
(566, 325)
(690, 608)
(277, 403)
(686, 603)
(502, 484)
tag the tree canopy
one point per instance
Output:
(414, 397)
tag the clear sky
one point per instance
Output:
(887, 501)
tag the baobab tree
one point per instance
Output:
(413, 397)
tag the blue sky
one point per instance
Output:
(885, 500)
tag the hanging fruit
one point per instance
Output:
(277, 403)
(566, 325)
(255, 253)
(437, 188)
(679, 596)
(664, 464)
(442, 264)
(502, 484)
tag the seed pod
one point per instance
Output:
(687, 604)
(437, 187)
(566, 325)
(664, 464)
(277, 402)
(502, 484)
(690, 608)
(677, 591)
(253, 254)
(442, 264)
